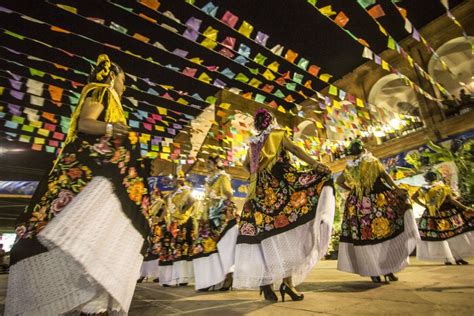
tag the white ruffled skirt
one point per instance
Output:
(150, 269)
(383, 258)
(290, 254)
(452, 249)
(92, 264)
(212, 270)
(179, 272)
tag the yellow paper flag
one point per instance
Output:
(162, 111)
(319, 125)
(359, 102)
(274, 66)
(255, 83)
(39, 141)
(269, 75)
(385, 65)
(204, 78)
(43, 132)
(325, 77)
(182, 101)
(209, 43)
(225, 106)
(281, 109)
(327, 10)
(196, 60)
(246, 29)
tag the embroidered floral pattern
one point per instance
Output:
(283, 197)
(373, 218)
(448, 222)
(210, 231)
(73, 172)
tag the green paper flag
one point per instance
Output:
(303, 63)
(391, 43)
(260, 59)
(259, 98)
(297, 78)
(254, 71)
(291, 86)
(242, 78)
(366, 3)
(312, 2)
(279, 94)
(211, 99)
(14, 35)
(36, 72)
(27, 128)
(332, 90)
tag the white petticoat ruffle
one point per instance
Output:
(212, 270)
(179, 272)
(451, 249)
(383, 258)
(92, 264)
(150, 269)
(290, 254)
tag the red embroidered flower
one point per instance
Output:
(281, 221)
(74, 173)
(367, 233)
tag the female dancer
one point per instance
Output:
(79, 241)
(445, 226)
(176, 267)
(286, 222)
(378, 228)
(150, 266)
(214, 247)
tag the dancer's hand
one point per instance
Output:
(321, 168)
(120, 130)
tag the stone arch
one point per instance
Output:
(457, 54)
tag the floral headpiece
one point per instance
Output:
(264, 120)
(103, 60)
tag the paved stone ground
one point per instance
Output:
(424, 289)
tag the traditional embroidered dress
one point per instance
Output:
(378, 227)
(177, 239)
(214, 246)
(286, 222)
(80, 238)
(445, 230)
(150, 267)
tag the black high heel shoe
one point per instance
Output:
(268, 293)
(448, 263)
(390, 277)
(460, 261)
(285, 289)
(227, 284)
(376, 279)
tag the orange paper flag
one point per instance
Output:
(49, 117)
(58, 29)
(152, 4)
(56, 93)
(341, 19)
(314, 70)
(291, 56)
(141, 37)
(376, 11)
